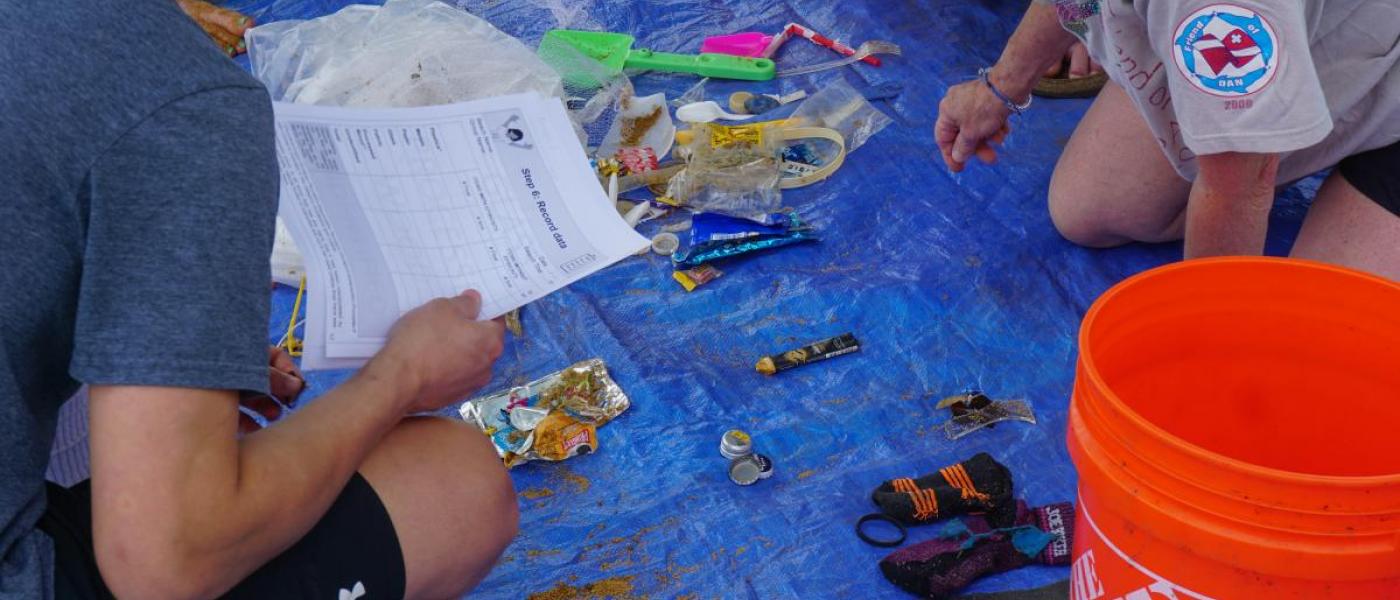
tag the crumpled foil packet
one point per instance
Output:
(552, 418)
(986, 414)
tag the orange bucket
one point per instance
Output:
(1236, 427)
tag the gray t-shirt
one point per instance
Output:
(1313, 80)
(138, 185)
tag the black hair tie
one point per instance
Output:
(860, 530)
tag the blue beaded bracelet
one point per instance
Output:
(984, 74)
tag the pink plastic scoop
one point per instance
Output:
(749, 43)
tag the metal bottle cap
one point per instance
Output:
(735, 443)
(765, 466)
(745, 470)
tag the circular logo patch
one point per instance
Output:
(1226, 50)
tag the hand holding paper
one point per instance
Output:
(396, 207)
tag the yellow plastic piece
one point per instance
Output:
(293, 344)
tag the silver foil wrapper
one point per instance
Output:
(562, 412)
(996, 412)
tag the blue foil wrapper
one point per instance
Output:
(699, 255)
(707, 228)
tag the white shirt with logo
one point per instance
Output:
(1313, 80)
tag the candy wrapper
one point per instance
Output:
(985, 415)
(552, 418)
(694, 278)
(695, 256)
(710, 228)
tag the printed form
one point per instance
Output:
(395, 207)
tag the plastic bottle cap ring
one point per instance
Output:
(665, 243)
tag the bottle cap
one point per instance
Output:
(745, 470)
(765, 466)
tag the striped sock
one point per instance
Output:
(977, 485)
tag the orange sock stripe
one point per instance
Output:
(925, 504)
(905, 485)
(979, 494)
(965, 481)
(951, 477)
(922, 504)
(969, 490)
(919, 507)
(956, 477)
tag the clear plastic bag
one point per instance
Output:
(735, 170)
(839, 106)
(405, 53)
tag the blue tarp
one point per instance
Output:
(950, 282)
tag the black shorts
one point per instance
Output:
(353, 548)
(1376, 173)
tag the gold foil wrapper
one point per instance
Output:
(578, 400)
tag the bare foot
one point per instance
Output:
(286, 383)
(225, 26)
(1078, 63)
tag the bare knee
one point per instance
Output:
(1112, 184)
(451, 501)
(1093, 219)
(1079, 218)
(1347, 228)
(476, 473)
(470, 473)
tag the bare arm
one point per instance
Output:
(182, 508)
(1228, 211)
(970, 114)
(1038, 42)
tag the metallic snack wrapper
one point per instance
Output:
(996, 412)
(576, 401)
(688, 258)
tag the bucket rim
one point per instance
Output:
(1091, 371)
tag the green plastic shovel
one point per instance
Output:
(614, 51)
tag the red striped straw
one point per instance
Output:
(826, 42)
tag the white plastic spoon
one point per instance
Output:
(707, 111)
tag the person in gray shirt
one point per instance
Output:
(1211, 105)
(140, 186)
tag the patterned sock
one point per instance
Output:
(1054, 519)
(939, 568)
(977, 485)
